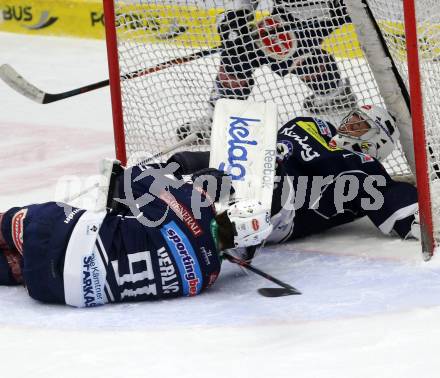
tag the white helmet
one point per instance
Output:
(380, 139)
(245, 223)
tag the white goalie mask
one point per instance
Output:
(370, 130)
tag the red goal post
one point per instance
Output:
(115, 83)
(419, 131)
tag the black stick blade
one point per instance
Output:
(277, 292)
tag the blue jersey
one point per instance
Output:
(152, 247)
(168, 250)
(318, 178)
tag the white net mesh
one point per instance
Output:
(156, 106)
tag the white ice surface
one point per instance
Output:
(370, 308)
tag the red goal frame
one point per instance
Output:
(115, 84)
(418, 127)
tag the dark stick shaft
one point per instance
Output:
(48, 97)
(250, 267)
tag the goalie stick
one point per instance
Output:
(12, 78)
(191, 138)
(284, 290)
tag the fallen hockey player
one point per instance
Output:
(151, 244)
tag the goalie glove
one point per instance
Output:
(245, 223)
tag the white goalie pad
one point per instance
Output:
(243, 144)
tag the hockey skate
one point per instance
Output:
(201, 127)
(341, 100)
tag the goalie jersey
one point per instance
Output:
(322, 186)
(152, 247)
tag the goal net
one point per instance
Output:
(166, 66)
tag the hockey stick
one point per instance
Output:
(189, 139)
(284, 290)
(12, 78)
